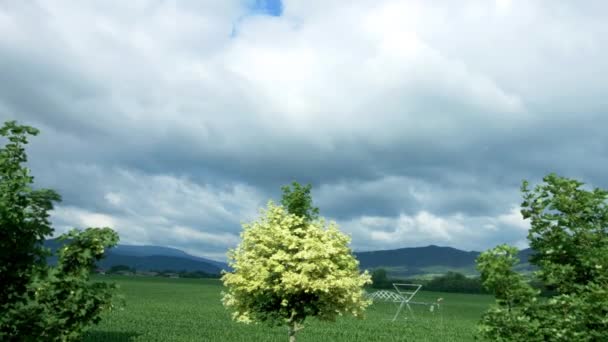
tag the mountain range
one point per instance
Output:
(150, 258)
(428, 261)
(399, 263)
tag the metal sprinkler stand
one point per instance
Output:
(403, 297)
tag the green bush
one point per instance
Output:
(455, 282)
(380, 279)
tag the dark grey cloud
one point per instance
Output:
(416, 125)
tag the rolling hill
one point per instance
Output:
(147, 251)
(149, 258)
(400, 263)
(427, 261)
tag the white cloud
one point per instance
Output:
(515, 219)
(503, 6)
(164, 210)
(423, 224)
(69, 217)
(370, 75)
(331, 69)
(425, 228)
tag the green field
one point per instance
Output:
(162, 309)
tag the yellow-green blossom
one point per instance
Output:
(286, 269)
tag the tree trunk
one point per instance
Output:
(292, 332)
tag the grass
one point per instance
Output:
(162, 309)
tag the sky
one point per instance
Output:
(175, 121)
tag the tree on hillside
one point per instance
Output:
(38, 302)
(298, 201)
(287, 268)
(380, 279)
(569, 234)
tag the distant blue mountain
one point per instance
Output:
(150, 258)
(146, 251)
(429, 260)
(402, 262)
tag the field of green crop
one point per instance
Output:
(162, 309)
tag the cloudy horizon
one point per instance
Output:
(415, 121)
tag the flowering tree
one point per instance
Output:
(287, 269)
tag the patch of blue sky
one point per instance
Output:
(269, 7)
(272, 8)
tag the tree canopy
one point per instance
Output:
(298, 201)
(38, 302)
(24, 218)
(287, 268)
(569, 236)
(380, 279)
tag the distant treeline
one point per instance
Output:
(126, 270)
(450, 282)
(197, 274)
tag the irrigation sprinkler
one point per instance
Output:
(403, 298)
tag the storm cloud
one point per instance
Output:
(415, 121)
